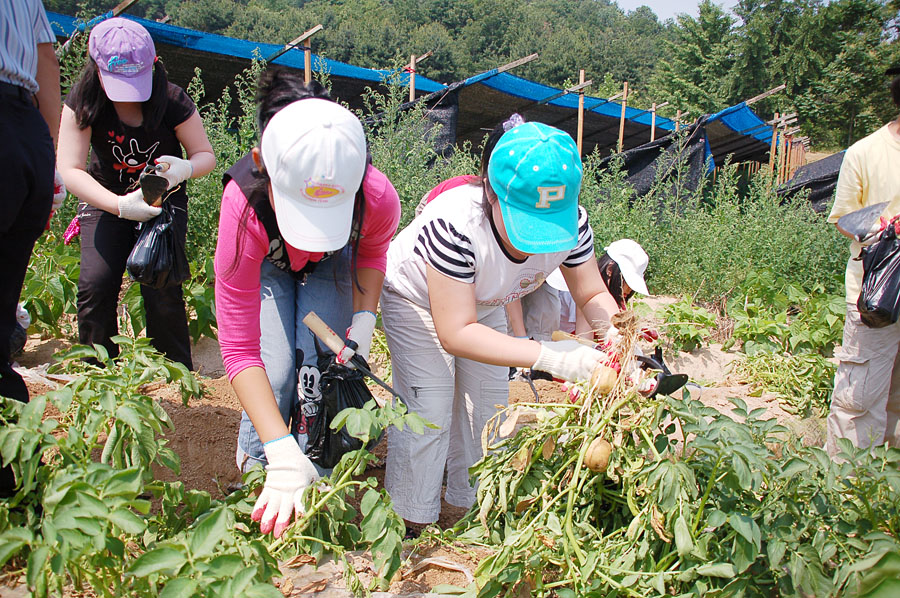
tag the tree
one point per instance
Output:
(698, 60)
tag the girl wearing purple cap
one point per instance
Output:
(472, 250)
(125, 113)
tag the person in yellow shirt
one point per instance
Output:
(865, 403)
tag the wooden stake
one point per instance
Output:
(622, 118)
(413, 62)
(765, 94)
(653, 110)
(677, 120)
(772, 145)
(580, 111)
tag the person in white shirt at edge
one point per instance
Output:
(865, 403)
(472, 250)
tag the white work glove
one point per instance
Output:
(59, 191)
(569, 360)
(175, 170)
(288, 474)
(133, 207)
(361, 328)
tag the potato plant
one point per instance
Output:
(739, 509)
(81, 514)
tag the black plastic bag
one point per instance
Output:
(341, 388)
(158, 259)
(879, 297)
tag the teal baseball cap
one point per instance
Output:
(535, 170)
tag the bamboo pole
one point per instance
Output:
(677, 120)
(622, 118)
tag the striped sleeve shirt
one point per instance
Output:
(23, 25)
(451, 253)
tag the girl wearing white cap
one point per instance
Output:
(125, 113)
(472, 250)
(622, 268)
(305, 225)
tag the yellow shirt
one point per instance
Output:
(870, 174)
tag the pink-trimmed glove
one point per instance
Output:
(569, 360)
(362, 326)
(288, 474)
(59, 191)
(175, 170)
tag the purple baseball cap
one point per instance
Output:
(124, 53)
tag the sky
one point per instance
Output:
(667, 9)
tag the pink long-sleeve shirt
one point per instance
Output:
(238, 288)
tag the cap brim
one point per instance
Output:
(636, 282)
(530, 233)
(127, 89)
(313, 228)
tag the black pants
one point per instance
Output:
(106, 241)
(26, 175)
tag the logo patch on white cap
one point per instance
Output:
(321, 191)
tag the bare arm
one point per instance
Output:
(71, 159)
(253, 390)
(48, 95)
(371, 281)
(516, 318)
(192, 137)
(460, 333)
(591, 296)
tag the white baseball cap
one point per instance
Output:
(314, 152)
(632, 261)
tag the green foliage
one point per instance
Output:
(402, 146)
(686, 326)
(230, 124)
(704, 243)
(81, 514)
(51, 286)
(200, 299)
(788, 319)
(744, 512)
(802, 382)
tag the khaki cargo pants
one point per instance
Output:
(865, 403)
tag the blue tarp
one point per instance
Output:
(536, 92)
(180, 37)
(741, 119)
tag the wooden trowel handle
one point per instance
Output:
(560, 335)
(325, 334)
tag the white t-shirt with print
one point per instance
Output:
(455, 237)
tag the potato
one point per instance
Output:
(597, 456)
(603, 380)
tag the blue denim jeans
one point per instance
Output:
(287, 347)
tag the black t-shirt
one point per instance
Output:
(119, 152)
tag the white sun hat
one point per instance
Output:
(314, 151)
(632, 261)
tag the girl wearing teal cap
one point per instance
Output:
(472, 250)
